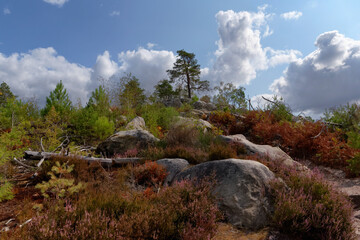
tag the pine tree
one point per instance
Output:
(164, 90)
(131, 96)
(186, 71)
(100, 101)
(5, 93)
(59, 99)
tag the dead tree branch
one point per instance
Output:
(23, 164)
(109, 162)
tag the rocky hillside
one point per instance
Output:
(202, 175)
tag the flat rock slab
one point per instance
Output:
(273, 153)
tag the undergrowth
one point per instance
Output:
(306, 206)
(115, 210)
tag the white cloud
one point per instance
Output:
(58, 3)
(37, 72)
(240, 54)
(6, 11)
(293, 15)
(149, 66)
(327, 77)
(277, 57)
(114, 13)
(104, 68)
(259, 102)
(150, 45)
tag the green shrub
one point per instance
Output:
(103, 128)
(158, 118)
(354, 166)
(347, 117)
(12, 145)
(6, 191)
(58, 186)
(279, 109)
(353, 139)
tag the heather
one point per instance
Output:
(128, 204)
(70, 198)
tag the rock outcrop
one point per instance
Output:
(273, 153)
(138, 123)
(173, 166)
(200, 105)
(195, 123)
(241, 189)
(122, 141)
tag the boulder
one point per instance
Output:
(196, 123)
(200, 105)
(173, 166)
(202, 114)
(273, 153)
(172, 102)
(138, 123)
(241, 189)
(122, 141)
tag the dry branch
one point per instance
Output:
(109, 162)
(23, 164)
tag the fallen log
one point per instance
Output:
(108, 162)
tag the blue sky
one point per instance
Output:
(306, 51)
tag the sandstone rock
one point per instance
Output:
(173, 166)
(122, 141)
(196, 123)
(199, 114)
(172, 102)
(273, 153)
(242, 190)
(138, 123)
(200, 105)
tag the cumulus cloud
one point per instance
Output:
(37, 72)
(277, 57)
(114, 13)
(293, 15)
(150, 45)
(240, 54)
(6, 11)
(327, 77)
(258, 101)
(58, 3)
(148, 65)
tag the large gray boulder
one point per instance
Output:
(200, 124)
(173, 166)
(172, 102)
(201, 105)
(122, 141)
(138, 123)
(267, 151)
(242, 190)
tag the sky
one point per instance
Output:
(307, 52)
